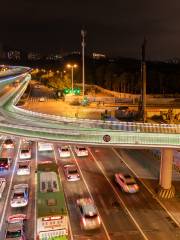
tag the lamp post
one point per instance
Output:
(72, 74)
(83, 34)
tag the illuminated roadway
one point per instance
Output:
(37, 125)
(124, 216)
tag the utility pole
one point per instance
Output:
(143, 81)
(83, 34)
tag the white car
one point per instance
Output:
(64, 151)
(23, 168)
(71, 172)
(81, 151)
(20, 196)
(45, 146)
(25, 153)
(89, 215)
(126, 182)
(8, 144)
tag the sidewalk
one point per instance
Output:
(148, 174)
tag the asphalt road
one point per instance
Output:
(124, 216)
(13, 179)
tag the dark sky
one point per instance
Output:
(114, 27)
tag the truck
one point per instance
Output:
(2, 186)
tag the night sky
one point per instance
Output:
(114, 27)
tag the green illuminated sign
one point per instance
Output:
(76, 91)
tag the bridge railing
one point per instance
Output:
(110, 125)
(94, 137)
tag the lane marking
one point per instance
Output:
(149, 190)
(10, 186)
(120, 199)
(69, 223)
(104, 227)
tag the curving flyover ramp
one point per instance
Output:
(17, 121)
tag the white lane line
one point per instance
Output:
(120, 199)
(149, 190)
(10, 185)
(69, 223)
(104, 227)
(35, 193)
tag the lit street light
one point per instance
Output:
(72, 73)
(83, 34)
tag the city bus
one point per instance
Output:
(52, 217)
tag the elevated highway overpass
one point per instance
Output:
(18, 121)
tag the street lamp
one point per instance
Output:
(72, 66)
(83, 34)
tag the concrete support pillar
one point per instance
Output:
(166, 189)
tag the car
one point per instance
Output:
(64, 151)
(45, 146)
(15, 227)
(26, 141)
(81, 151)
(25, 153)
(5, 163)
(8, 144)
(126, 182)
(42, 99)
(20, 196)
(71, 172)
(90, 218)
(23, 168)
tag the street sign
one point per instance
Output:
(106, 138)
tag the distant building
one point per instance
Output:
(54, 57)
(14, 55)
(34, 56)
(98, 56)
